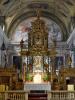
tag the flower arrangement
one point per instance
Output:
(29, 77)
(45, 77)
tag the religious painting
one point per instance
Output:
(37, 63)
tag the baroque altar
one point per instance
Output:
(36, 67)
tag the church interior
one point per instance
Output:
(37, 50)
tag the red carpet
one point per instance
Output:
(37, 96)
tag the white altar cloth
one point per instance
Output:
(42, 86)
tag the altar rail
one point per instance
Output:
(61, 95)
(52, 95)
(14, 95)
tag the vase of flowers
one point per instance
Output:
(29, 77)
(45, 77)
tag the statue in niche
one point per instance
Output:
(69, 60)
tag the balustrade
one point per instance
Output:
(14, 95)
(61, 95)
(2, 96)
(51, 95)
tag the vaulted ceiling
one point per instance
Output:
(61, 11)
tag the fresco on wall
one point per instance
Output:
(21, 31)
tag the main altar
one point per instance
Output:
(38, 61)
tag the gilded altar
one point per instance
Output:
(37, 50)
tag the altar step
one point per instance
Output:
(37, 96)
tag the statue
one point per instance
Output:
(69, 60)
